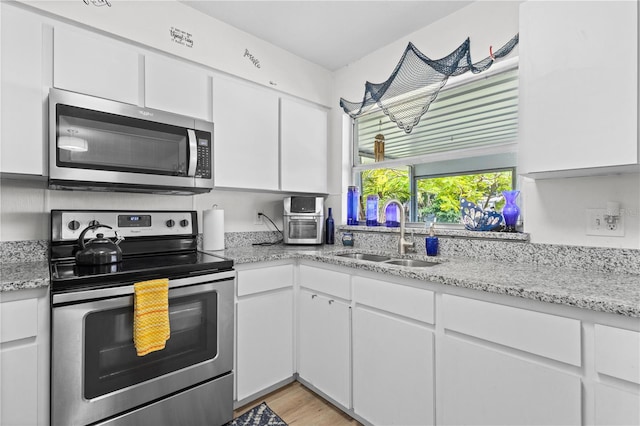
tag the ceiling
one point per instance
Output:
(333, 33)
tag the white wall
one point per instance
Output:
(25, 207)
(215, 43)
(554, 210)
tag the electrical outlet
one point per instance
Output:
(597, 224)
(257, 217)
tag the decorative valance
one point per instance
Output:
(416, 81)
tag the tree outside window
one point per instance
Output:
(437, 197)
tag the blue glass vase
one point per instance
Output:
(510, 211)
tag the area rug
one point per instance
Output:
(260, 415)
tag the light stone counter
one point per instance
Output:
(616, 293)
(23, 275)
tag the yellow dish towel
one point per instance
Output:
(151, 315)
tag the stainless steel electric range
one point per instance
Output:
(96, 375)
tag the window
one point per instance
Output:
(464, 146)
(438, 198)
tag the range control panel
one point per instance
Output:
(68, 225)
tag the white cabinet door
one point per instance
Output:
(578, 86)
(482, 386)
(393, 381)
(264, 342)
(246, 135)
(615, 406)
(303, 144)
(88, 63)
(171, 85)
(323, 345)
(19, 385)
(24, 357)
(23, 92)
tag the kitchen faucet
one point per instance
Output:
(403, 244)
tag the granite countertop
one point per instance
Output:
(23, 275)
(597, 291)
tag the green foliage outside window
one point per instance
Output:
(438, 196)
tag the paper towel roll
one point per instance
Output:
(213, 229)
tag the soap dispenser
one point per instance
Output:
(431, 242)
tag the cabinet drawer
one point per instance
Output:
(410, 302)
(325, 281)
(534, 332)
(264, 279)
(618, 353)
(18, 320)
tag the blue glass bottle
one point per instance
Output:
(329, 229)
(353, 201)
(392, 216)
(372, 210)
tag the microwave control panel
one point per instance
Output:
(203, 168)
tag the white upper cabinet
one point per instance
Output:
(24, 92)
(177, 87)
(88, 63)
(246, 135)
(578, 88)
(303, 144)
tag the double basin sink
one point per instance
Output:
(414, 263)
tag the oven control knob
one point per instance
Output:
(184, 223)
(94, 223)
(170, 223)
(74, 225)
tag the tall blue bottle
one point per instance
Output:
(353, 202)
(329, 229)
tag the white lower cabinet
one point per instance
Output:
(484, 386)
(24, 358)
(617, 360)
(264, 327)
(396, 351)
(323, 344)
(393, 353)
(502, 365)
(392, 369)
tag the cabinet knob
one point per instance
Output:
(331, 301)
(313, 296)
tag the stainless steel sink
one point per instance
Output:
(365, 256)
(414, 263)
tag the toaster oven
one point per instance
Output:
(303, 220)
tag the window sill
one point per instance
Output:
(440, 232)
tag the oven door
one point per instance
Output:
(96, 373)
(303, 229)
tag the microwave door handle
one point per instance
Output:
(193, 152)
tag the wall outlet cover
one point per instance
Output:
(596, 224)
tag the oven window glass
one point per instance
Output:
(101, 141)
(300, 229)
(111, 362)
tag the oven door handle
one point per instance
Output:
(193, 152)
(127, 290)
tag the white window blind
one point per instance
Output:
(479, 114)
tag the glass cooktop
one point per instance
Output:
(67, 275)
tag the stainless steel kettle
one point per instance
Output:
(99, 250)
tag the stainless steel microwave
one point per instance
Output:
(96, 143)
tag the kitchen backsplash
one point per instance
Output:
(515, 248)
(503, 247)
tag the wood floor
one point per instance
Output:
(298, 406)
